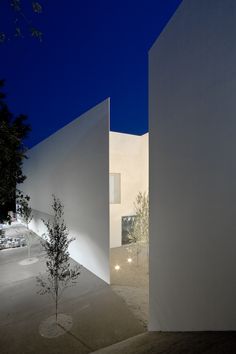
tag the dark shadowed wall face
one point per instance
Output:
(193, 169)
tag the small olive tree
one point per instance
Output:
(59, 274)
(139, 232)
(25, 212)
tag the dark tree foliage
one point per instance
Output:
(24, 209)
(13, 130)
(22, 21)
(60, 275)
(2, 233)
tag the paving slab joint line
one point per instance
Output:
(76, 338)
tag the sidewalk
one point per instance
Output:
(100, 317)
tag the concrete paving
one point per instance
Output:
(100, 317)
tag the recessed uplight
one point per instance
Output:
(129, 260)
(117, 267)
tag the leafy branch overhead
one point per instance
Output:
(23, 20)
(60, 275)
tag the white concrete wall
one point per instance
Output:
(73, 164)
(193, 169)
(129, 157)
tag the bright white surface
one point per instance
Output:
(73, 164)
(193, 169)
(129, 157)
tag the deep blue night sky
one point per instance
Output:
(91, 50)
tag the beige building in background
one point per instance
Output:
(128, 176)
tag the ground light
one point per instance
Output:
(117, 267)
(129, 260)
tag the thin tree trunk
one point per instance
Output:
(56, 298)
(29, 242)
(56, 306)
(147, 257)
(137, 253)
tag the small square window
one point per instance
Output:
(114, 182)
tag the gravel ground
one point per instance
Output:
(131, 281)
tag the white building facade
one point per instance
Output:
(192, 129)
(73, 164)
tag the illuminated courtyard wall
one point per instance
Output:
(73, 164)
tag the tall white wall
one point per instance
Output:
(73, 164)
(129, 157)
(193, 169)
